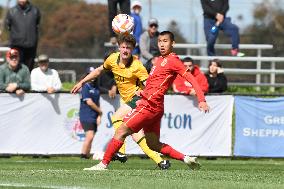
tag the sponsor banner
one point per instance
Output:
(48, 124)
(259, 127)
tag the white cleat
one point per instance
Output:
(192, 162)
(98, 167)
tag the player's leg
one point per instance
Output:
(113, 146)
(152, 135)
(117, 120)
(140, 139)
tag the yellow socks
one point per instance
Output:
(116, 123)
(150, 153)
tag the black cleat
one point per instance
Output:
(120, 157)
(164, 165)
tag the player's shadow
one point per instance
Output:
(53, 98)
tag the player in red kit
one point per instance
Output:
(150, 108)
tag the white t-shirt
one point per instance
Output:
(40, 80)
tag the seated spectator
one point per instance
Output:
(14, 77)
(149, 41)
(106, 84)
(44, 78)
(216, 78)
(90, 113)
(181, 85)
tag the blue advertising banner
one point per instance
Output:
(259, 127)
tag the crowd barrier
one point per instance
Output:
(40, 123)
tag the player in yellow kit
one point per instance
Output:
(130, 75)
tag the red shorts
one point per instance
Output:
(142, 117)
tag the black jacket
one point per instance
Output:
(212, 7)
(217, 84)
(23, 25)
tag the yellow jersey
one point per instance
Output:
(128, 78)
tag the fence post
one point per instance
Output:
(258, 67)
(272, 76)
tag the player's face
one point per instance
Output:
(213, 67)
(125, 50)
(165, 44)
(188, 65)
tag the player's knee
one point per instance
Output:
(122, 132)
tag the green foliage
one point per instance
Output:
(66, 86)
(137, 173)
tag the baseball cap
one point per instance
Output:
(12, 52)
(153, 21)
(90, 69)
(42, 58)
(136, 3)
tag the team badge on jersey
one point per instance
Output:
(165, 61)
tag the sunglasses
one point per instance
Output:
(153, 25)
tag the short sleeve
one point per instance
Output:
(141, 72)
(107, 63)
(177, 66)
(85, 93)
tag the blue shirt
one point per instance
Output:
(87, 114)
(137, 31)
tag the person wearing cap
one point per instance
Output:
(44, 79)
(137, 31)
(14, 77)
(90, 112)
(22, 21)
(149, 41)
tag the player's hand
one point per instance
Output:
(99, 120)
(112, 92)
(76, 88)
(203, 106)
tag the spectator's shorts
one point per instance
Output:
(87, 126)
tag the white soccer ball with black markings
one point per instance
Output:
(122, 24)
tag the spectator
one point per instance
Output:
(149, 41)
(23, 22)
(90, 113)
(14, 77)
(216, 78)
(137, 31)
(150, 63)
(181, 85)
(44, 78)
(215, 19)
(124, 6)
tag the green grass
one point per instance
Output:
(66, 172)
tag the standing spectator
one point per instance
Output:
(44, 78)
(215, 19)
(216, 78)
(14, 77)
(124, 6)
(23, 22)
(90, 113)
(181, 85)
(149, 41)
(137, 31)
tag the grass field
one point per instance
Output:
(66, 172)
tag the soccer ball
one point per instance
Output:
(122, 24)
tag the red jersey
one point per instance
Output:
(161, 78)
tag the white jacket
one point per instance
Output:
(40, 80)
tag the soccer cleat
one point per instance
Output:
(98, 167)
(192, 162)
(164, 165)
(120, 157)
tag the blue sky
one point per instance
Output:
(188, 14)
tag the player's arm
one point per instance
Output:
(94, 74)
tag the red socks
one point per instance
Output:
(169, 151)
(113, 147)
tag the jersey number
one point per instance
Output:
(120, 78)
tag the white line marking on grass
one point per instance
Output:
(17, 185)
